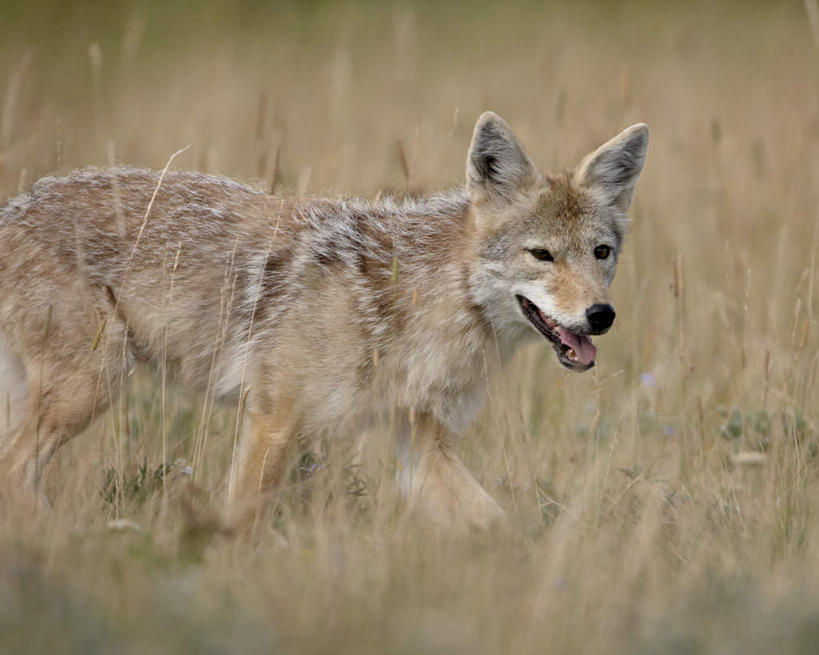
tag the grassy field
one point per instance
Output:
(665, 502)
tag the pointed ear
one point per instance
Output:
(497, 165)
(614, 167)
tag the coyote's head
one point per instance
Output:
(548, 245)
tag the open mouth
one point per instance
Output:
(574, 350)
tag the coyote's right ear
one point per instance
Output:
(497, 165)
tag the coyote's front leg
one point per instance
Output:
(436, 481)
(261, 463)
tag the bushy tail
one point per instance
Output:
(13, 391)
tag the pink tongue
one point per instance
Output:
(585, 349)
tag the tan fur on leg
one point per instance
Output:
(262, 464)
(440, 486)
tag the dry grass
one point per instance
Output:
(664, 503)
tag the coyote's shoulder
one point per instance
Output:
(317, 314)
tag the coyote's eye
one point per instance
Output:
(602, 252)
(541, 254)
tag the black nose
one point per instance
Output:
(600, 317)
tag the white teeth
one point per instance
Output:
(572, 355)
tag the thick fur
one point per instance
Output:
(322, 315)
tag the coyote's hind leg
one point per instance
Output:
(67, 382)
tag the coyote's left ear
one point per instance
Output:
(497, 165)
(614, 167)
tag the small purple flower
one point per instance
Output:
(648, 380)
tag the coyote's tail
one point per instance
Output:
(13, 391)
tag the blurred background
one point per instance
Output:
(663, 503)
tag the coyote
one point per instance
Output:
(318, 315)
